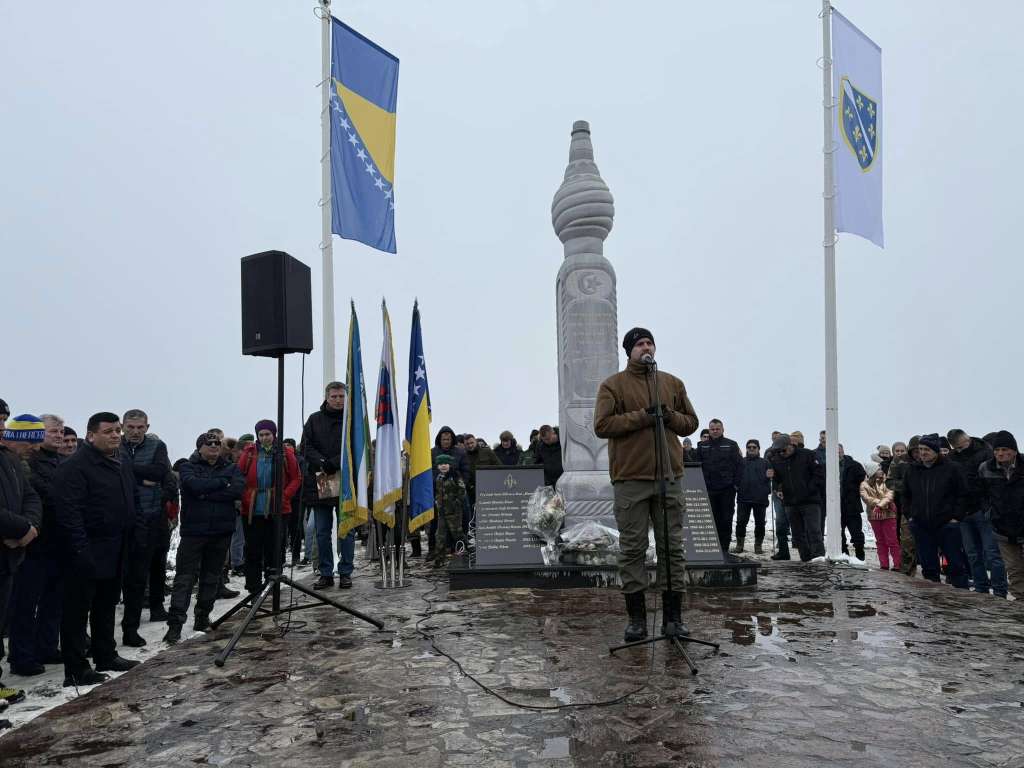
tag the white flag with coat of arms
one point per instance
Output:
(857, 87)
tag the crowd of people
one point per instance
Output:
(951, 505)
(87, 522)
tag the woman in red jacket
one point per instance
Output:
(257, 465)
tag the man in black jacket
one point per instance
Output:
(851, 475)
(722, 465)
(549, 454)
(210, 486)
(21, 514)
(508, 452)
(36, 602)
(146, 456)
(478, 454)
(1002, 479)
(798, 480)
(980, 545)
(96, 507)
(321, 445)
(755, 487)
(934, 492)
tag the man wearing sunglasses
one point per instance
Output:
(146, 454)
(210, 486)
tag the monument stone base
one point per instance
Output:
(588, 495)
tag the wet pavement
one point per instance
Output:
(818, 666)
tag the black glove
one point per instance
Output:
(651, 410)
(329, 466)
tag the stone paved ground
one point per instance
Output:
(817, 667)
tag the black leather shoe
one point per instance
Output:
(117, 664)
(227, 593)
(158, 614)
(202, 622)
(323, 582)
(344, 582)
(781, 555)
(173, 634)
(133, 639)
(85, 677)
(28, 670)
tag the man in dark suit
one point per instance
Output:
(96, 505)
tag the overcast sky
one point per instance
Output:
(148, 147)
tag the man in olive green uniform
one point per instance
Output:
(449, 499)
(624, 415)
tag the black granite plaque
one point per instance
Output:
(502, 495)
(700, 537)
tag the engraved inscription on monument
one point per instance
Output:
(700, 537)
(502, 495)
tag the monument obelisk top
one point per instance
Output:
(582, 213)
(583, 209)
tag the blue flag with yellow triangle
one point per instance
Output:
(364, 103)
(417, 432)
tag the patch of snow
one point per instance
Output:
(45, 692)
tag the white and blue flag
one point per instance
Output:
(857, 86)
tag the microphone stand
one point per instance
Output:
(671, 633)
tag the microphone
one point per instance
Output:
(647, 359)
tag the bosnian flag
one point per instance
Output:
(417, 432)
(387, 464)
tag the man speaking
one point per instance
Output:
(624, 414)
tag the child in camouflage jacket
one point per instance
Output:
(449, 499)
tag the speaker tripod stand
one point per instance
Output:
(671, 632)
(276, 578)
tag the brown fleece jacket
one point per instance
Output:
(620, 415)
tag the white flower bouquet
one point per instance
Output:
(545, 514)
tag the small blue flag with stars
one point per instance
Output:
(364, 103)
(857, 86)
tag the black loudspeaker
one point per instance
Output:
(277, 311)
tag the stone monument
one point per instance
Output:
(588, 347)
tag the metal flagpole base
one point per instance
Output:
(673, 637)
(392, 568)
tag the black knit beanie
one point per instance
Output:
(1004, 439)
(633, 336)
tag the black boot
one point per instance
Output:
(157, 613)
(202, 621)
(133, 639)
(782, 554)
(859, 551)
(417, 547)
(672, 612)
(636, 606)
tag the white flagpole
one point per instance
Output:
(832, 500)
(326, 246)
